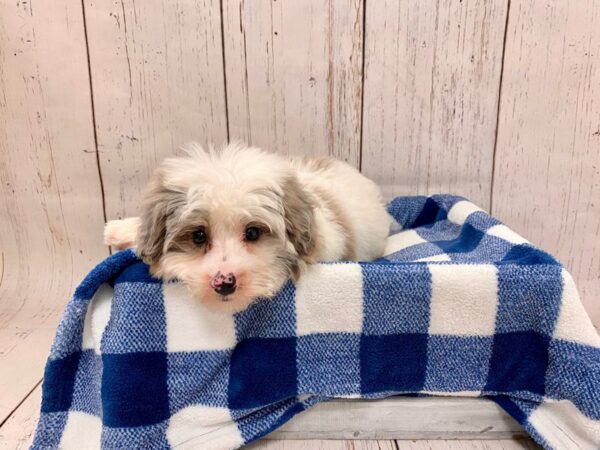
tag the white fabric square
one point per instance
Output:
(573, 323)
(464, 299)
(97, 317)
(403, 239)
(202, 426)
(503, 232)
(191, 326)
(435, 258)
(461, 211)
(329, 299)
(82, 431)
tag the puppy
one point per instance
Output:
(235, 224)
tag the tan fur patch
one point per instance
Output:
(299, 218)
(159, 207)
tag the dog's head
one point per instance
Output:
(232, 225)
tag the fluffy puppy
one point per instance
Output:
(235, 224)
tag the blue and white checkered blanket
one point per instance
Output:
(461, 305)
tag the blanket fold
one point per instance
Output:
(460, 305)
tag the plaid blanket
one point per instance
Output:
(461, 305)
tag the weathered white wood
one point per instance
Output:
(51, 203)
(157, 73)
(294, 74)
(547, 177)
(23, 352)
(402, 418)
(504, 444)
(18, 430)
(373, 422)
(321, 445)
(432, 72)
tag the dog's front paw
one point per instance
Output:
(121, 234)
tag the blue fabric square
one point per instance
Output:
(527, 255)
(138, 272)
(396, 299)
(457, 363)
(198, 378)
(482, 221)
(529, 298)
(86, 392)
(432, 212)
(328, 364)
(393, 363)
(490, 248)
(70, 329)
(519, 363)
(405, 210)
(277, 317)
(148, 437)
(262, 371)
(467, 240)
(574, 374)
(134, 389)
(439, 231)
(59, 381)
(49, 430)
(137, 320)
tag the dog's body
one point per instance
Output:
(235, 224)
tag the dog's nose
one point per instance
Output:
(224, 284)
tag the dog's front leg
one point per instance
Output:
(121, 234)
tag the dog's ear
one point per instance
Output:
(299, 215)
(159, 204)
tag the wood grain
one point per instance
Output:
(18, 431)
(547, 177)
(321, 445)
(432, 73)
(157, 74)
(51, 207)
(294, 75)
(402, 418)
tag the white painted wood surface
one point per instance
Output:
(504, 444)
(157, 76)
(423, 117)
(18, 431)
(402, 418)
(294, 75)
(341, 424)
(432, 76)
(547, 180)
(50, 207)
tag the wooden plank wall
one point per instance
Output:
(547, 172)
(51, 202)
(498, 101)
(432, 73)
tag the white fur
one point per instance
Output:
(240, 185)
(361, 201)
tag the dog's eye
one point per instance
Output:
(252, 234)
(199, 237)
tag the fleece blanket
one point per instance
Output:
(461, 305)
